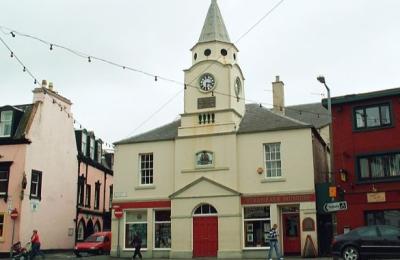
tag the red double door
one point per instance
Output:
(205, 236)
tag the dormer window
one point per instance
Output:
(5, 123)
(84, 143)
(91, 148)
(99, 152)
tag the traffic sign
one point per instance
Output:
(14, 214)
(335, 206)
(118, 213)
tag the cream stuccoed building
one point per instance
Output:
(212, 183)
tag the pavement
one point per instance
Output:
(68, 255)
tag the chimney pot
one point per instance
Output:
(277, 79)
(44, 83)
(51, 85)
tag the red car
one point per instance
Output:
(98, 243)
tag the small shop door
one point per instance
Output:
(291, 233)
(205, 236)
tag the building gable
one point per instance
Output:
(204, 187)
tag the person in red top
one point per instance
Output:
(35, 240)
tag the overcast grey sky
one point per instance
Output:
(354, 43)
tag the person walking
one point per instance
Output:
(35, 245)
(273, 242)
(137, 244)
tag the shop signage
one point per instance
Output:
(278, 199)
(335, 206)
(376, 197)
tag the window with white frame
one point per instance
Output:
(146, 168)
(84, 143)
(273, 160)
(4, 174)
(162, 229)
(99, 152)
(256, 225)
(36, 185)
(135, 222)
(91, 148)
(5, 123)
(372, 116)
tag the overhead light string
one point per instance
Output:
(24, 68)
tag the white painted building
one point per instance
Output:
(215, 181)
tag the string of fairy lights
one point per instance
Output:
(90, 58)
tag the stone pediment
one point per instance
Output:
(202, 188)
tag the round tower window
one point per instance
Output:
(224, 52)
(195, 56)
(207, 52)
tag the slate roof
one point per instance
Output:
(256, 119)
(314, 114)
(27, 113)
(214, 27)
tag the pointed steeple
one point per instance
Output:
(214, 28)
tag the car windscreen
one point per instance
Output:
(95, 239)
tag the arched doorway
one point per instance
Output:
(89, 228)
(97, 226)
(205, 231)
(81, 231)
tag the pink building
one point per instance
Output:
(37, 165)
(94, 185)
(40, 152)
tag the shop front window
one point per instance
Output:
(257, 223)
(384, 217)
(162, 229)
(135, 222)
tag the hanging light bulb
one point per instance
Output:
(185, 86)
(12, 34)
(155, 78)
(51, 47)
(24, 69)
(89, 60)
(35, 81)
(12, 54)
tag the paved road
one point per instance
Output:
(71, 256)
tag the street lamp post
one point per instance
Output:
(322, 80)
(332, 181)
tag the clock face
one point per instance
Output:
(207, 82)
(238, 86)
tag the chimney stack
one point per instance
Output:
(278, 96)
(44, 83)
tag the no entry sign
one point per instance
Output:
(14, 214)
(118, 213)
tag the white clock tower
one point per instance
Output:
(214, 94)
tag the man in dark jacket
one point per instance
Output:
(137, 244)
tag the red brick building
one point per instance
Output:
(366, 146)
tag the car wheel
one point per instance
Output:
(350, 253)
(100, 251)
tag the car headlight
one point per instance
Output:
(93, 247)
(76, 248)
